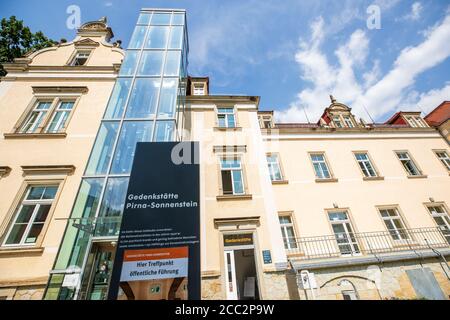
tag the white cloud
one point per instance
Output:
(416, 10)
(108, 4)
(379, 94)
(426, 101)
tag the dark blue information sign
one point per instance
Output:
(158, 252)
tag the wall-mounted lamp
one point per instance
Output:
(335, 205)
(431, 199)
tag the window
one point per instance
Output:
(226, 118)
(274, 167)
(157, 38)
(31, 216)
(443, 157)
(36, 117)
(232, 180)
(416, 121)
(442, 219)
(343, 232)
(60, 116)
(287, 230)
(151, 63)
(365, 164)
(80, 59)
(337, 122)
(49, 116)
(265, 122)
(408, 164)
(348, 122)
(320, 166)
(394, 223)
(349, 295)
(199, 89)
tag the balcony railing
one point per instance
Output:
(367, 243)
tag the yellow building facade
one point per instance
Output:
(51, 103)
(337, 209)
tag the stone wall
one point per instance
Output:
(29, 293)
(374, 282)
(212, 288)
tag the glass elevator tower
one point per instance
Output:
(146, 105)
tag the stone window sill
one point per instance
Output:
(5, 251)
(234, 197)
(34, 135)
(327, 180)
(280, 181)
(418, 176)
(372, 178)
(227, 129)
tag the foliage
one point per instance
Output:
(16, 40)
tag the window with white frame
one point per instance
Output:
(274, 167)
(348, 122)
(287, 230)
(226, 118)
(60, 116)
(232, 176)
(199, 89)
(444, 158)
(34, 120)
(320, 166)
(408, 163)
(48, 116)
(394, 223)
(337, 122)
(440, 216)
(416, 122)
(365, 164)
(80, 58)
(343, 232)
(30, 216)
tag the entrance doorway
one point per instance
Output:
(241, 280)
(98, 270)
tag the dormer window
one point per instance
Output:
(199, 89)
(337, 122)
(80, 58)
(348, 122)
(416, 121)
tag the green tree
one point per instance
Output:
(16, 40)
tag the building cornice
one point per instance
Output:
(59, 89)
(217, 99)
(56, 169)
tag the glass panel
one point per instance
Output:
(101, 153)
(226, 182)
(337, 216)
(42, 213)
(178, 18)
(176, 38)
(137, 39)
(50, 192)
(157, 38)
(222, 122)
(230, 121)
(228, 163)
(132, 132)
(284, 219)
(172, 67)
(25, 213)
(34, 233)
(112, 206)
(144, 18)
(129, 63)
(164, 130)
(143, 98)
(76, 240)
(16, 234)
(151, 63)
(58, 122)
(118, 99)
(161, 18)
(238, 186)
(35, 193)
(168, 99)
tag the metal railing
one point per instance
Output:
(367, 243)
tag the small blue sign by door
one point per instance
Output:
(267, 257)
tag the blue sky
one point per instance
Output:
(293, 53)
